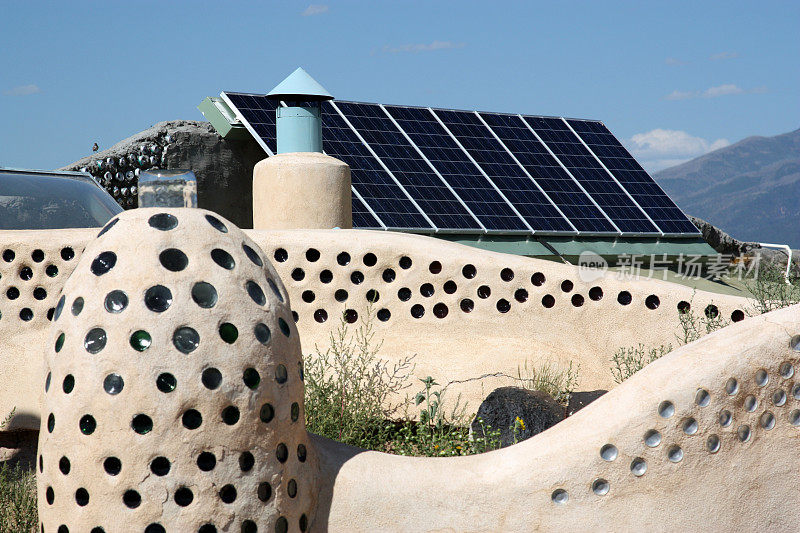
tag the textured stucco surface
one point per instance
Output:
(174, 356)
(318, 265)
(725, 458)
(302, 190)
(705, 438)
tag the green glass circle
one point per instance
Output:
(166, 382)
(251, 378)
(88, 424)
(284, 327)
(140, 340)
(59, 343)
(228, 332)
(69, 383)
(142, 424)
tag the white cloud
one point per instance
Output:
(723, 55)
(315, 9)
(659, 148)
(722, 90)
(423, 47)
(714, 92)
(23, 90)
(674, 62)
(681, 95)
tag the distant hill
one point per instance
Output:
(750, 189)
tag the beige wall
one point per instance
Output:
(459, 347)
(748, 482)
(302, 190)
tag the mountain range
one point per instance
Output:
(750, 189)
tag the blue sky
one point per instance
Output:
(671, 79)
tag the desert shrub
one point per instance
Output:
(489, 438)
(17, 495)
(349, 388)
(17, 500)
(770, 290)
(627, 361)
(7, 420)
(549, 378)
(694, 325)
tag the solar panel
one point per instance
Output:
(362, 218)
(408, 167)
(369, 178)
(257, 113)
(551, 177)
(456, 168)
(633, 177)
(418, 169)
(537, 210)
(588, 171)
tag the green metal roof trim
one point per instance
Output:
(300, 83)
(573, 247)
(502, 244)
(566, 246)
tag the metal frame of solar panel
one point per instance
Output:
(644, 190)
(430, 170)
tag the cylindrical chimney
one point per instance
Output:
(300, 187)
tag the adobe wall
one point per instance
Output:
(704, 439)
(463, 312)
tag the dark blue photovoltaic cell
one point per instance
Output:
(451, 162)
(410, 169)
(633, 177)
(501, 168)
(259, 112)
(362, 218)
(395, 209)
(591, 175)
(371, 181)
(553, 179)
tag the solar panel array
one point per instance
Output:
(440, 170)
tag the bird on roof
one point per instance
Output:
(95, 147)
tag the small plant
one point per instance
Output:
(628, 361)
(7, 420)
(770, 290)
(519, 427)
(17, 495)
(349, 388)
(693, 326)
(487, 440)
(558, 383)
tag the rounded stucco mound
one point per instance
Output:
(302, 190)
(174, 395)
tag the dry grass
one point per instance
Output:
(17, 496)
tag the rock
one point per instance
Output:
(499, 411)
(725, 244)
(579, 400)
(719, 240)
(224, 168)
(18, 448)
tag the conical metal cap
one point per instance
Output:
(299, 86)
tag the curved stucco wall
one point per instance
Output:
(464, 312)
(704, 439)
